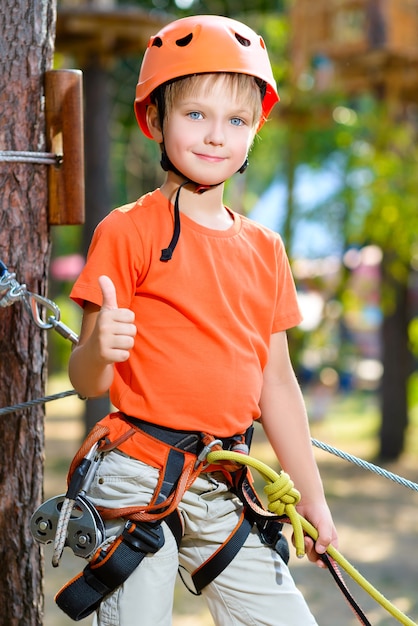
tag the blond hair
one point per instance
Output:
(241, 86)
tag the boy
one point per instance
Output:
(186, 306)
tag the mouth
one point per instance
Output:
(209, 158)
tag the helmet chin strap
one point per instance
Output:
(167, 253)
(167, 165)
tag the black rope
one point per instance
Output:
(167, 253)
(332, 568)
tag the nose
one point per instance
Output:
(215, 133)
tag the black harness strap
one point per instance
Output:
(172, 473)
(211, 568)
(109, 569)
(185, 440)
(335, 573)
(268, 525)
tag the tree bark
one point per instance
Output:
(27, 28)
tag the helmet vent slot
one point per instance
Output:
(243, 40)
(157, 42)
(184, 41)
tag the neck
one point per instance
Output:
(205, 208)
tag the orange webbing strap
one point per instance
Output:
(158, 510)
(99, 432)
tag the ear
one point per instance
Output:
(153, 123)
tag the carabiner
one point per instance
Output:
(33, 302)
(205, 451)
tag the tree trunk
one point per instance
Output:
(397, 367)
(27, 28)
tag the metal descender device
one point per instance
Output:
(70, 519)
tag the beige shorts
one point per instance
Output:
(255, 589)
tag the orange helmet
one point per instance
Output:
(203, 44)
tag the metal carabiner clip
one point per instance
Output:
(204, 453)
(33, 303)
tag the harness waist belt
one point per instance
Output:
(188, 441)
(184, 440)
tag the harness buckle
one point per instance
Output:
(271, 535)
(143, 537)
(205, 451)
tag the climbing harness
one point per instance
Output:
(72, 520)
(112, 561)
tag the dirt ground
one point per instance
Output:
(376, 519)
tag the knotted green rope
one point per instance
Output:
(283, 498)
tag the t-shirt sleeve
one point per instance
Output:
(287, 313)
(115, 251)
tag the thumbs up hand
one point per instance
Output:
(115, 328)
(108, 292)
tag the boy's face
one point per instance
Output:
(207, 134)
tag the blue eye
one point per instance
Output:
(195, 115)
(237, 121)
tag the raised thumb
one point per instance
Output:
(108, 292)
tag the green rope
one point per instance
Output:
(283, 497)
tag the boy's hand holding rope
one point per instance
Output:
(283, 498)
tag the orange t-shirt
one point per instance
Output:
(204, 318)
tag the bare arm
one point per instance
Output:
(107, 336)
(286, 425)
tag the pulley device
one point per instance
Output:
(84, 533)
(70, 519)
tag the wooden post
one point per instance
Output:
(64, 127)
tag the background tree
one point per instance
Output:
(27, 29)
(353, 47)
(375, 158)
(384, 212)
